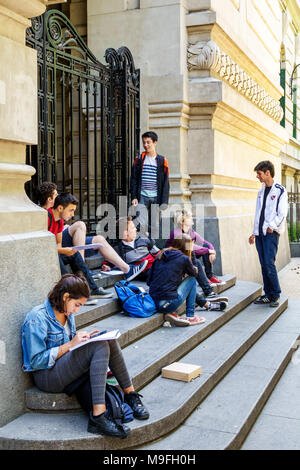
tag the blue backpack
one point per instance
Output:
(135, 301)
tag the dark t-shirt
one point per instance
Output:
(262, 214)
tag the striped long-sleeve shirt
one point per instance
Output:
(149, 177)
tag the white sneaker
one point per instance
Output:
(91, 302)
(135, 270)
(96, 276)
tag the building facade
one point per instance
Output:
(212, 88)
(213, 76)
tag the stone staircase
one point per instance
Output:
(222, 346)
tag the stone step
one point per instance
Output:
(224, 418)
(159, 348)
(169, 401)
(278, 425)
(107, 307)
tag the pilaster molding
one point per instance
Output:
(169, 114)
(288, 171)
(25, 8)
(208, 56)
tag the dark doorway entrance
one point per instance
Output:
(88, 117)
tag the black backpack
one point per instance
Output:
(116, 407)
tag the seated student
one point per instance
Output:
(202, 248)
(75, 235)
(64, 209)
(169, 290)
(48, 333)
(132, 249)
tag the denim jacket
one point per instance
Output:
(42, 334)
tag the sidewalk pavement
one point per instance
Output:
(278, 425)
(289, 279)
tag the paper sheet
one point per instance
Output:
(114, 334)
(87, 247)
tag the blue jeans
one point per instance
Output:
(267, 246)
(186, 291)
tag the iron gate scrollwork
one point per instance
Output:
(88, 117)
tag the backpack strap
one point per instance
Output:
(281, 188)
(113, 404)
(50, 220)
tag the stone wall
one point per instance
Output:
(210, 89)
(29, 263)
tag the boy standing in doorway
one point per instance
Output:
(149, 182)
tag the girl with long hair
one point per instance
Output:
(49, 333)
(168, 288)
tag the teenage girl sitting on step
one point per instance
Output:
(168, 288)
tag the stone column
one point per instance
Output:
(29, 264)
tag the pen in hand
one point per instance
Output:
(98, 334)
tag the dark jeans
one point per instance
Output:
(207, 264)
(77, 264)
(201, 277)
(267, 246)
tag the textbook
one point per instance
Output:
(114, 334)
(87, 247)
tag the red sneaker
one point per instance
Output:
(195, 320)
(176, 320)
(215, 280)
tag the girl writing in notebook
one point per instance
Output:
(48, 334)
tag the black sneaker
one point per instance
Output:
(217, 306)
(262, 300)
(216, 298)
(209, 296)
(135, 270)
(275, 302)
(100, 293)
(107, 427)
(134, 401)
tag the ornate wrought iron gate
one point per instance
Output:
(88, 116)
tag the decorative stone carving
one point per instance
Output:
(208, 56)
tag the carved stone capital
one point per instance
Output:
(208, 56)
(203, 55)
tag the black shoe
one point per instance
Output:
(275, 302)
(134, 401)
(263, 299)
(100, 293)
(217, 306)
(107, 427)
(215, 298)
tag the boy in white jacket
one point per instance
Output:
(269, 222)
